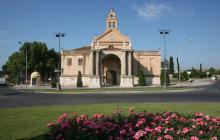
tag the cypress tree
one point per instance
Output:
(171, 64)
(79, 79)
(141, 79)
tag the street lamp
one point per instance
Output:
(26, 64)
(207, 73)
(59, 35)
(189, 72)
(164, 33)
(180, 62)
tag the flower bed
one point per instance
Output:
(137, 126)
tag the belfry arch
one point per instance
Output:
(110, 70)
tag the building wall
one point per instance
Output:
(147, 61)
(72, 70)
(72, 80)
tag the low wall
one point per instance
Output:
(149, 80)
(72, 80)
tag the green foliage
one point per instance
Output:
(162, 80)
(178, 65)
(200, 67)
(212, 71)
(141, 79)
(197, 73)
(39, 58)
(171, 65)
(53, 85)
(79, 79)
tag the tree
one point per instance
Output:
(79, 79)
(212, 71)
(200, 67)
(162, 80)
(178, 66)
(38, 59)
(171, 65)
(141, 79)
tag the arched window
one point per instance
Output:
(109, 25)
(111, 16)
(113, 25)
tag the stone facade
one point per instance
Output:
(109, 60)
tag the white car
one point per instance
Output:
(214, 78)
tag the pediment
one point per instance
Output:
(112, 35)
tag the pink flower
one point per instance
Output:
(123, 132)
(98, 116)
(168, 130)
(140, 122)
(185, 130)
(197, 114)
(159, 138)
(147, 129)
(168, 137)
(201, 132)
(214, 138)
(158, 129)
(194, 138)
(139, 134)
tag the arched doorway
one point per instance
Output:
(111, 70)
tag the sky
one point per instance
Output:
(141, 20)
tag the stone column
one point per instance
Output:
(129, 63)
(97, 63)
(123, 64)
(91, 64)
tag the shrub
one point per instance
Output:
(162, 80)
(137, 126)
(141, 79)
(79, 79)
(53, 85)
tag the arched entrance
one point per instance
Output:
(111, 70)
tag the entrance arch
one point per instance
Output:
(111, 70)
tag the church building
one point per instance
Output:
(109, 60)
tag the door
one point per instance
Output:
(111, 77)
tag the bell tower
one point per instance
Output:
(111, 20)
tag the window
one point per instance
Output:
(109, 24)
(69, 61)
(80, 61)
(113, 25)
(111, 16)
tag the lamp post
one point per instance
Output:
(59, 35)
(180, 62)
(164, 33)
(207, 73)
(189, 72)
(25, 64)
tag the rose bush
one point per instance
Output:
(137, 126)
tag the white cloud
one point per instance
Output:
(152, 11)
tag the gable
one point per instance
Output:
(112, 35)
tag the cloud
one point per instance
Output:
(152, 10)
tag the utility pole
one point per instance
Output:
(25, 65)
(164, 33)
(59, 35)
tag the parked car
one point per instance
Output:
(214, 77)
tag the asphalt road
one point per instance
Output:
(10, 98)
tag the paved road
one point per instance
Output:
(13, 98)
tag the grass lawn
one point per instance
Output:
(30, 122)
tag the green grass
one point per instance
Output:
(30, 122)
